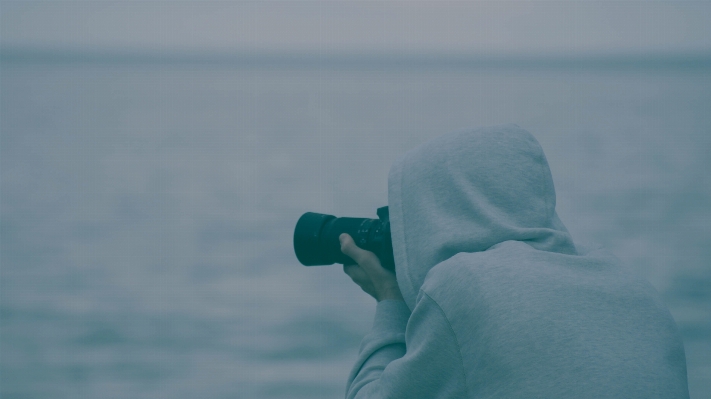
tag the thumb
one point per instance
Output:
(350, 249)
(365, 259)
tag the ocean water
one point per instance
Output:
(148, 209)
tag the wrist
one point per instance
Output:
(390, 295)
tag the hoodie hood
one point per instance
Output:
(467, 191)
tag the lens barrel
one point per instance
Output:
(316, 238)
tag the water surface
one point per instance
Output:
(147, 209)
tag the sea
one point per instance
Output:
(148, 204)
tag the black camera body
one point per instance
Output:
(316, 239)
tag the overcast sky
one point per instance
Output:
(457, 27)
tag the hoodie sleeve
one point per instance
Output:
(405, 358)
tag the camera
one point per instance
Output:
(316, 240)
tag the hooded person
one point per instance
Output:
(496, 299)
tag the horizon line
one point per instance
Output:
(249, 59)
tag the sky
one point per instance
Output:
(560, 27)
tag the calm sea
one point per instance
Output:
(148, 208)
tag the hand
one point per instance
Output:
(369, 274)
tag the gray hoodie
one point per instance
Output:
(499, 302)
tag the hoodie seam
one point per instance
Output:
(456, 341)
(546, 172)
(401, 216)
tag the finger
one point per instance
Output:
(350, 249)
(350, 269)
(361, 279)
(357, 274)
